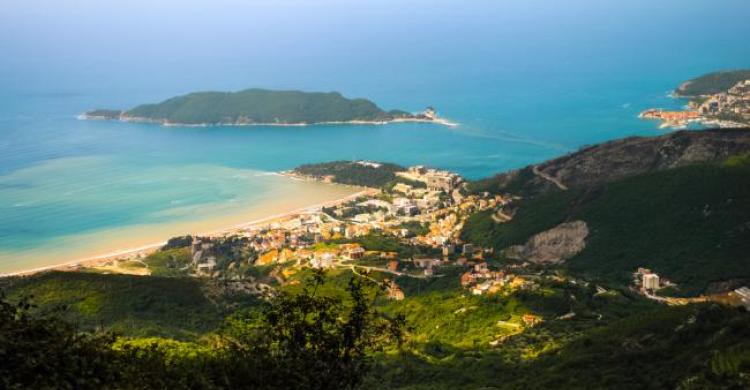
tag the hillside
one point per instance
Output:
(351, 172)
(690, 224)
(178, 308)
(618, 159)
(256, 106)
(712, 83)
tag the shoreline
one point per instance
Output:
(437, 121)
(130, 253)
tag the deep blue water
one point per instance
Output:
(527, 81)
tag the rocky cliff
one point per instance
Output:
(552, 246)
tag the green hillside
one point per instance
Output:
(713, 83)
(689, 224)
(697, 347)
(352, 173)
(260, 106)
(133, 305)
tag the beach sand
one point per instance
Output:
(104, 246)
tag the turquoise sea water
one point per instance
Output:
(527, 82)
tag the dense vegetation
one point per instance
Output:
(352, 173)
(699, 347)
(688, 224)
(713, 83)
(104, 114)
(135, 305)
(305, 340)
(260, 106)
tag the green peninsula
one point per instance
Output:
(262, 107)
(712, 83)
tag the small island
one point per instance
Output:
(719, 99)
(264, 107)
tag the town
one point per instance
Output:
(730, 108)
(408, 229)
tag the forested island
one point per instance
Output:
(263, 107)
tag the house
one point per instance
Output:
(409, 211)
(352, 251)
(531, 320)
(427, 263)
(402, 188)
(481, 288)
(323, 259)
(467, 278)
(394, 292)
(393, 265)
(208, 266)
(269, 257)
(468, 250)
(429, 271)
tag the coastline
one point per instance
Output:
(437, 121)
(143, 250)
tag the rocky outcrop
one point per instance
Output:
(553, 246)
(618, 159)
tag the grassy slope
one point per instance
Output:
(688, 224)
(131, 305)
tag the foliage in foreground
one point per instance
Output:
(303, 340)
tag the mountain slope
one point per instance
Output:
(712, 83)
(690, 224)
(619, 159)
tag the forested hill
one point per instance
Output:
(712, 83)
(619, 159)
(255, 106)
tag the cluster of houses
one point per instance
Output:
(735, 101)
(480, 280)
(307, 239)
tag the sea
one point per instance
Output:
(527, 81)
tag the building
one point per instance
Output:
(393, 265)
(427, 263)
(651, 282)
(449, 249)
(394, 292)
(468, 250)
(208, 266)
(467, 278)
(531, 320)
(352, 251)
(323, 260)
(744, 294)
(439, 181)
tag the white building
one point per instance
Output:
(651, 282)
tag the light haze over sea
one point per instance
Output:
(527, 80)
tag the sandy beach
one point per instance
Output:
(100, 254)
